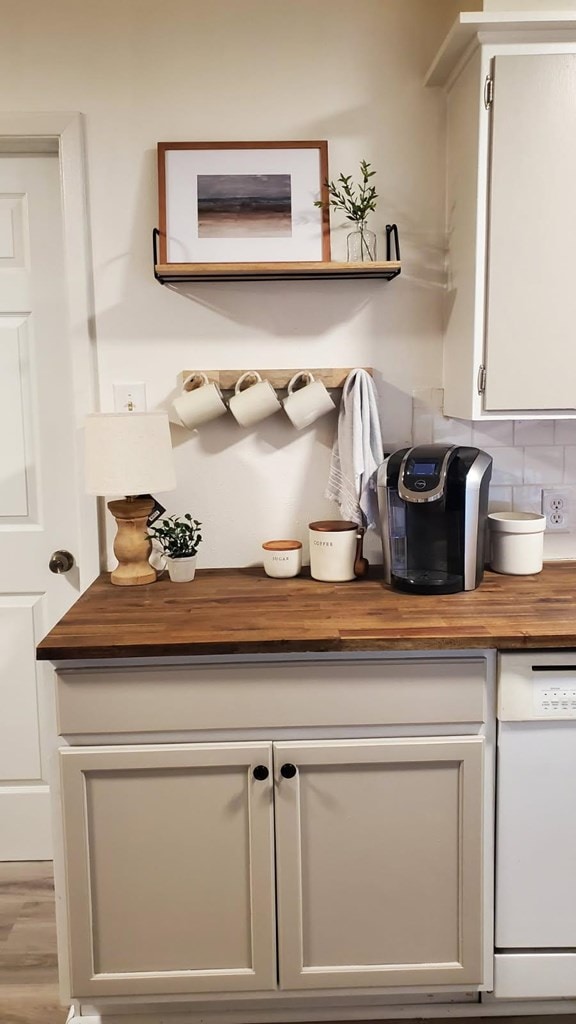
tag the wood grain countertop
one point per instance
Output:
(242, 611)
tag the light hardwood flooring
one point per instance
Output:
(28, 964)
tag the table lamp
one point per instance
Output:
(129, 454)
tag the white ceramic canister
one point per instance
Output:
(282, 558)
(336, 551)
(517, 542)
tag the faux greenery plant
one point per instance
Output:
(179, 537)
(356, 200)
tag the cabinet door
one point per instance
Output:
(531, 301)
(379, 863)
(169, 859)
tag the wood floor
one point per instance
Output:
(28, 965)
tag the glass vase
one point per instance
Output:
(361, 244)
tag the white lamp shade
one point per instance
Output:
(128, 454)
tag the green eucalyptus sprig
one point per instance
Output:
(178, 538)
(356, 201)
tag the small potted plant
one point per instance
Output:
(179, 538)
(356, 201)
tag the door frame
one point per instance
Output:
(66, 130)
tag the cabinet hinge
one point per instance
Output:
(488, 91)
(481, 379)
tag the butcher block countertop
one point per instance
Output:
(242, 611)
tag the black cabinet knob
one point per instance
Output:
(260, 772)
(288, 771)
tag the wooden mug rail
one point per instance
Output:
(226, 379)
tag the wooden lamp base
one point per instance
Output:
(132, 545)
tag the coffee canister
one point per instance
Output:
(336, 550)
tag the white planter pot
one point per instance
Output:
(517, 541)
(181, 570)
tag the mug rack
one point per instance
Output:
(226, 379)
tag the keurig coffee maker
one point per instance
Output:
(433, 503)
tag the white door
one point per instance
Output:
(38, 485)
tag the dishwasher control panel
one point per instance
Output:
(553, 697)
(537, 686)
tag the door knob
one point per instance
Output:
(288, 771)
(61, 561)
(260, 772)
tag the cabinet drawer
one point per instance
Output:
(264, 695)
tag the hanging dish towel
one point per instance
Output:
(357, 451)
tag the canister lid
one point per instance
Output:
(332, 525)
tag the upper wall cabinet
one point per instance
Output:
(511, 216)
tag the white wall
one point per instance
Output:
(143, 72)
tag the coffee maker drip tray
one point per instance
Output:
(428, 581)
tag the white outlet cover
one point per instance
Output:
(556, 506)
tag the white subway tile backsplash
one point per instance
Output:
(527, 499)
(508, 464)
(422, 423)
(533, 432)
(493, 433)
(544, 465)
(500, 499)
(528, 455)
(449, 431)
(432, 397)
(570, 464)
(565, 431)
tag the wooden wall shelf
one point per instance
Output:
(200, 272)
(226, 379)
(384, 270)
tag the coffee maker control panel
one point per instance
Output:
(421, 476)
(423, 472)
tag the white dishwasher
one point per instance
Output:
(536, 826)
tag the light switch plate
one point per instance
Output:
(130, 397)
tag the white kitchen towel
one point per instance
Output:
(357, 451)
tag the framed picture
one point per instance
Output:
(243, 202)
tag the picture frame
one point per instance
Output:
(243, 202)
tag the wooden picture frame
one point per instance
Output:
(243, 202)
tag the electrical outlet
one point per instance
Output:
(130, 397)
(556, 508)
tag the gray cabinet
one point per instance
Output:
(379, 861)
(169, 856)
(511, 222)
(171, 865)
(222, 862)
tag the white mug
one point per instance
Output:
(282, 558)
(200, 403)
(257, 401)
(336, 551)
(307, 404)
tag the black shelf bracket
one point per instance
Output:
(392, 236)
(155, 237)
